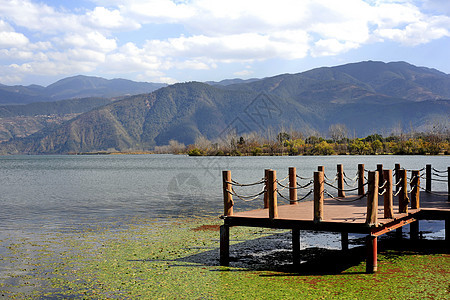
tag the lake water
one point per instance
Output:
(67, 193)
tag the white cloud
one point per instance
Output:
(9, 38)
(214, 31)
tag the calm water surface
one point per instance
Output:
(59, 193)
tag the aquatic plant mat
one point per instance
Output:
(178, 258)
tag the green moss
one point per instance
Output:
(179, 260)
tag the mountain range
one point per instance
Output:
(74, 87)
(368, 97)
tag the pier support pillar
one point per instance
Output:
(344, 241)
(372, 254)
(296, 246)
(414, 230)
(224, 245)
(447, 231)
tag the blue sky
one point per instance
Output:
(184, 40)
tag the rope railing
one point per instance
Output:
(294, 188)
(284, 179)
(344, 190)
(235, 183)
(398, 182)
(398, 192)
(433, 193)
(246, 198)
(438, 175)
(342, 200)
(306, 185)
(413, 178)
(304, 178)
(382, 193)
(350, 185)
(383, 185)
(351, 179)
(441, 180)
(410, 170)
(444, 171)
(297, 200)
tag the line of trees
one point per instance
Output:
(296, 143)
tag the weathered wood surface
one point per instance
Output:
(346, 212)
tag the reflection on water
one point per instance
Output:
(76, 192)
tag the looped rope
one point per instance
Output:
(297, 200)
(246, 198)
(344, 190)
(306, 185)
(235, 183)
(351, 179)
(342, 200)
(445, 171)
(382, 193)
(398, 192)
(305, 178)
(399, 181)
(433, 193)
(384, 184)
(438, 175)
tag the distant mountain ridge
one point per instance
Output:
(75, 87)
(368, 97)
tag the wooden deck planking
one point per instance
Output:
(346, 212)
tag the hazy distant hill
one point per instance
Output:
(364, 96)
(75, 87)
(23, 120)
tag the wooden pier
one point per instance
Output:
(372, 212)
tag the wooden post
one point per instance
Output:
(344, 241)
(272, 190)
(415, 189)
(372, 199)
(318, 196)
(296, 246)
(266, 193)
(340, 175)
(380, 177)
(224, 256)
(414, 230)
(428, 178)
(361, 179)
(448, 184)
(227, 197)
(388, 195)
(372, 261)
(403, 199)
(447, 231)
(321, 169)
(397, 176)
(293, 185)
